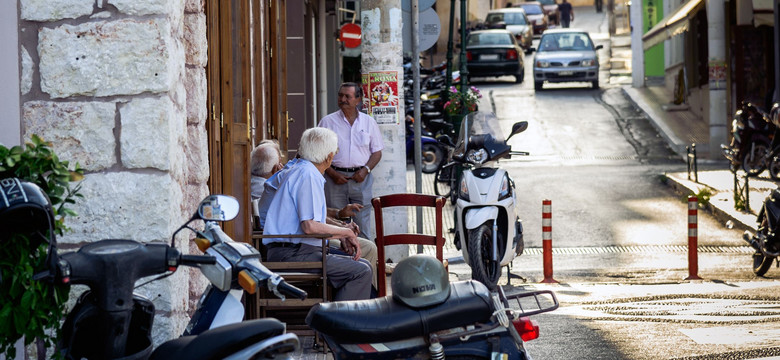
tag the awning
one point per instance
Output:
(673, 24)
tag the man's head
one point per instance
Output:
(350, 95)
(264, 157)
(318, 145)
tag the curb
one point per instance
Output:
(723, 214)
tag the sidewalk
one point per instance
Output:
(680, 128)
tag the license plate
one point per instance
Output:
(489, 57)
(566, 73)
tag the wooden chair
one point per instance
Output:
(382, 240)
(309, 275)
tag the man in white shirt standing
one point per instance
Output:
(349, 180)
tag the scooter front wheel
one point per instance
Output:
(432, 156)
(761, 263)
(483, 268)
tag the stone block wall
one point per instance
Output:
(119, 86)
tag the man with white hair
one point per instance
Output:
(265, 161)
(299, 208)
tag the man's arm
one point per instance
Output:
(361, 174)
(345, 234)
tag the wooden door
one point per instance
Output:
(230, 100)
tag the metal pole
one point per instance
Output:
(464, 71)
(417, 119)
(448, 80)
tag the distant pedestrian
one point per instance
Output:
(509, 4)
(567, 13)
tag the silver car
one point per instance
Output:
(566, 55)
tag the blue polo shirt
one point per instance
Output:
(269, 190)
(300, 197)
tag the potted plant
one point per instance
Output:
(461, 103)
(32, 309)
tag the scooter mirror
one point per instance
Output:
(517, 128)
(218, 208)
(444, 139)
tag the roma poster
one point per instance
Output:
(383, 96)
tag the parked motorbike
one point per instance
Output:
(488, 231)
(109, 321)
(752, 134)
(426, 317)
(433, 155)
(766, 241)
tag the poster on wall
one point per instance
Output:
(383, 96)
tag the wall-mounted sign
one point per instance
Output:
(350, 35)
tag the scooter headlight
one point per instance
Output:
(463, 190)
(506, 189)
(477, 156)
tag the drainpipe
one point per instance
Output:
(716, 43)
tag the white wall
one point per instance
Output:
(10, 124)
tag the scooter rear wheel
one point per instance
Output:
(754, 163)
(483, 269)
(761, 263)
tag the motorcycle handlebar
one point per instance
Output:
(291, 290)
(195, 260)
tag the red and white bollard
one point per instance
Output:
(693, 238)
(547, 241)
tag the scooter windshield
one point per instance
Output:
(479, 129)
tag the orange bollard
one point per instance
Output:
(693, 238)
(547, 241)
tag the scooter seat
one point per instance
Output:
(384, 319)
(219, 342)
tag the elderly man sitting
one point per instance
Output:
(265, 161)
(299, 208)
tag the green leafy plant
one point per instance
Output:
(32, 308)
(462, 100)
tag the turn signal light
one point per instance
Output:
(202, 243)
(247, 281)
(527, 328)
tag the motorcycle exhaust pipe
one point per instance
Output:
(751, 239)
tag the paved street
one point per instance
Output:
(620, 230)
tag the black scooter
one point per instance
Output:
(752, 134)
(111, 322)
(766, 241)
(472, 323)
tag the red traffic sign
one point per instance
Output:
(350, 34)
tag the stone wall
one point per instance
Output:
(119, 86)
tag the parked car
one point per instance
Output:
(494, 52)
(551, 10)
(515, 21)
(535, 13)
(566, 55)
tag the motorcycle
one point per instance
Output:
(488, 231)
(109, 321)
(433, 155)
(463, 320)
(752, 133)
(766, 241)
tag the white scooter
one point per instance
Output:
(488, 231)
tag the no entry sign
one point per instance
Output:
(350, 35)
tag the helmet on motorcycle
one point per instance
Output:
(420, 281)
(25, 208)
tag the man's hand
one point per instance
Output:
(350, 210)
(350, 245)
(338, 177)
(354, 227)
(360, 175)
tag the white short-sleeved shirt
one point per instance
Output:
(300, 197)
(357, 141)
